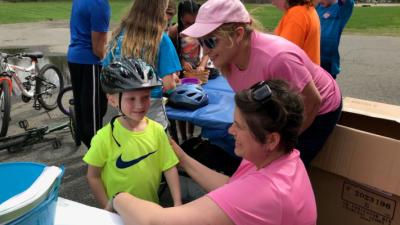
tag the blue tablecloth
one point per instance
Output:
(214, 118)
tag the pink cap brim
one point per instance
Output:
(200, 29)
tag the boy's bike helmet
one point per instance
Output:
(127, 74)
(188, 96)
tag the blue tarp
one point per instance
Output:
(216, 117)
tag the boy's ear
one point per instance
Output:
(112, 100)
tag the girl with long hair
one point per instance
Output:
(141, 34)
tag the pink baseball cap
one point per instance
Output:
(214, 13)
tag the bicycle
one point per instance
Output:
(41, 85)
(31, 136)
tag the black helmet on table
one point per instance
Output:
(128, 74)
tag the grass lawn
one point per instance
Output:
(44, 11)
(365, 20)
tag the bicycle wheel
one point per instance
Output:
(65, 100)
(49, 82)
(5, 107)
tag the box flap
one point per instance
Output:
(373, 117)
(363, 157)
(372, 109)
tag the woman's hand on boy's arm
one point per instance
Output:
(178, 151)
(172, 178)
(96, 185)
(207, 178)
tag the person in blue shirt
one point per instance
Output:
(141, 34)
(333, 15)
(89, 24)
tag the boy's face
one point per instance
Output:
(134, 104)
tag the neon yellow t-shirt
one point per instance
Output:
(137, 165)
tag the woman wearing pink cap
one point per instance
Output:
(271, 185)
(246, 56)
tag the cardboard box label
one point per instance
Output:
(368, 205)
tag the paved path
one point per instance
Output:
(371, 66)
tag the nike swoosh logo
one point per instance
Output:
(125, 164)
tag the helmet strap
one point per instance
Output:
(120, 108)
(112, 129)
(120, 103)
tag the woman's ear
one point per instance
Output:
(273, 140)
(239, 34)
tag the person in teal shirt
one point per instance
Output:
(333, 15)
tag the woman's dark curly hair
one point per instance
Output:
(282, 113)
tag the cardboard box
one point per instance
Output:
(356, 177)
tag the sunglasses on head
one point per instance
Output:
(260, 92)
(209, 42)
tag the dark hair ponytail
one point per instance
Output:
(282, 113)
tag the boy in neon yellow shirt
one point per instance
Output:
(131, 152)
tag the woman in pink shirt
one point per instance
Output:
(271, 185)
(246, 56)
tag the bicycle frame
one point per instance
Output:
(9, 81)
(11, 70)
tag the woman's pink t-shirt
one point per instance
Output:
(273, 57)
(278, 194)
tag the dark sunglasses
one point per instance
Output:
(261, 92)
(210, 42)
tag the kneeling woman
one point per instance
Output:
(271, 186)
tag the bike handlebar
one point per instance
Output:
(34, 55)
(6, 56)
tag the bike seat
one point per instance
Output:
(33, 55)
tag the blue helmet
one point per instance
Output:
(188, 96)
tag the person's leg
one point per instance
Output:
(313, 138)
(182, 130)
(100, 99)
(172, 130)
(190, 130)
(89, 101)
(77, 73)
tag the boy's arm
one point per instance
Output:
(172, 178)
(95, 183)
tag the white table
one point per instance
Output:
(74, 213)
